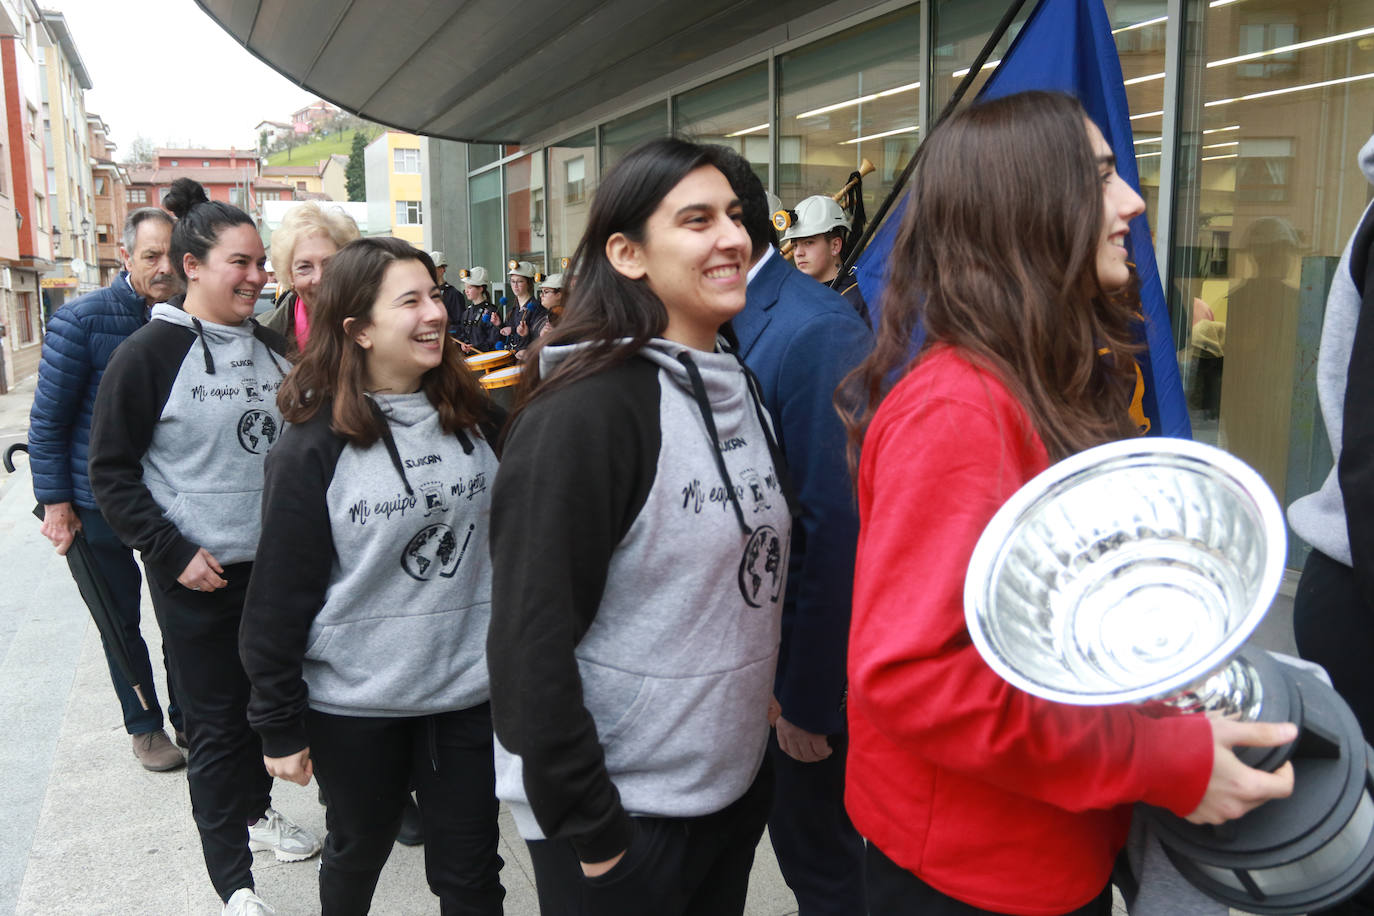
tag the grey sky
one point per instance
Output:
(167, 71)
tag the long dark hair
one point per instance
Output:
(997, 255)
(200, 221)
(333, 367)
(611, 313)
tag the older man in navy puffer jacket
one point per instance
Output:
(80, 338)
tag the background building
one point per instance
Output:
(109, 195)
(394, 188)
(23, 191)
(68, 161)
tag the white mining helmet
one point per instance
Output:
(815, 215)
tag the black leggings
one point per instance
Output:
(367, 767)
(229, 785)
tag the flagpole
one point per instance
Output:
(959, 91)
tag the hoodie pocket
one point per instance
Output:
(616, 699)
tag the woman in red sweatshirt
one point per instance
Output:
(976, 797)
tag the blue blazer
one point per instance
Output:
(801, 338)
(81, 336)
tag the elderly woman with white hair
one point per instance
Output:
(309, 236)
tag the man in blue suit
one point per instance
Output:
(801, 339)
(80, 338)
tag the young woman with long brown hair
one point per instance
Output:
(365, 624)
(974, 796)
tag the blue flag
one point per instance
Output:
(1067, 45)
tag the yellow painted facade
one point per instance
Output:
(405, 186)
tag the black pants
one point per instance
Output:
(116, 563)
(368, 765)
(229, 786)
(894, 891)
(819, 851)
(697, 866)
(1334, 627)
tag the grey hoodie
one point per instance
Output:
(1320, 518)
(632, 673)
(371, 593)
(185, 417)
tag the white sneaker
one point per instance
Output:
(287, 840)
(246, 903)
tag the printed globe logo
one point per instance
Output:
(257, 430)
(433, 550)
(761, 567)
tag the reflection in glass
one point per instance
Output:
(484, 202)
(572, 182)
(623, 134)
(851, 96)
(525, 210)
(1276, 113)
(480, 154)
(733, 112)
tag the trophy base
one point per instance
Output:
(1311, 850)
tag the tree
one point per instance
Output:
(142, 151)
(355, 175)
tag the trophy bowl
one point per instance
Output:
(1126, 572)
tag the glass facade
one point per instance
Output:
(572, 182)
(1251, 163)
(732, 111)
(623, 134)
(849, 97)
(1275, 105)
(525, 225)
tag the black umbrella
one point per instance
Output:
(95, 591)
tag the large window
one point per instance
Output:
(406, 161)
(572, 182)
(732, 111)
(620, 136)
(484, 201)
(847, 98)
(408, 213)
(1276, 98)
(525, 226)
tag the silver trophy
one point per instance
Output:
(1136, 571)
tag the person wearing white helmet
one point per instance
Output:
(521, 302)
(819, 232)
(453, 300)
(477, 328)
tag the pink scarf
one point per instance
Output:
(302, 323)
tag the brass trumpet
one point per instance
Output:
(865, 167)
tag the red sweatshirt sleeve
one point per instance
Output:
(935, 469)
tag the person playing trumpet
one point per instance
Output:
(819, 232)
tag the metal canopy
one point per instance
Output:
(491, 71)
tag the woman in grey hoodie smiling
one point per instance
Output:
(366, 618)
(184, 418)
(630, 678)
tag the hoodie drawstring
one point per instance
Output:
(390, 443)
(433, 743)
(704, 405)
(204, 347)
(257, 329)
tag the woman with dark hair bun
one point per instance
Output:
(630, 679)
(365, 626)
(974, 796)
(184, 418)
